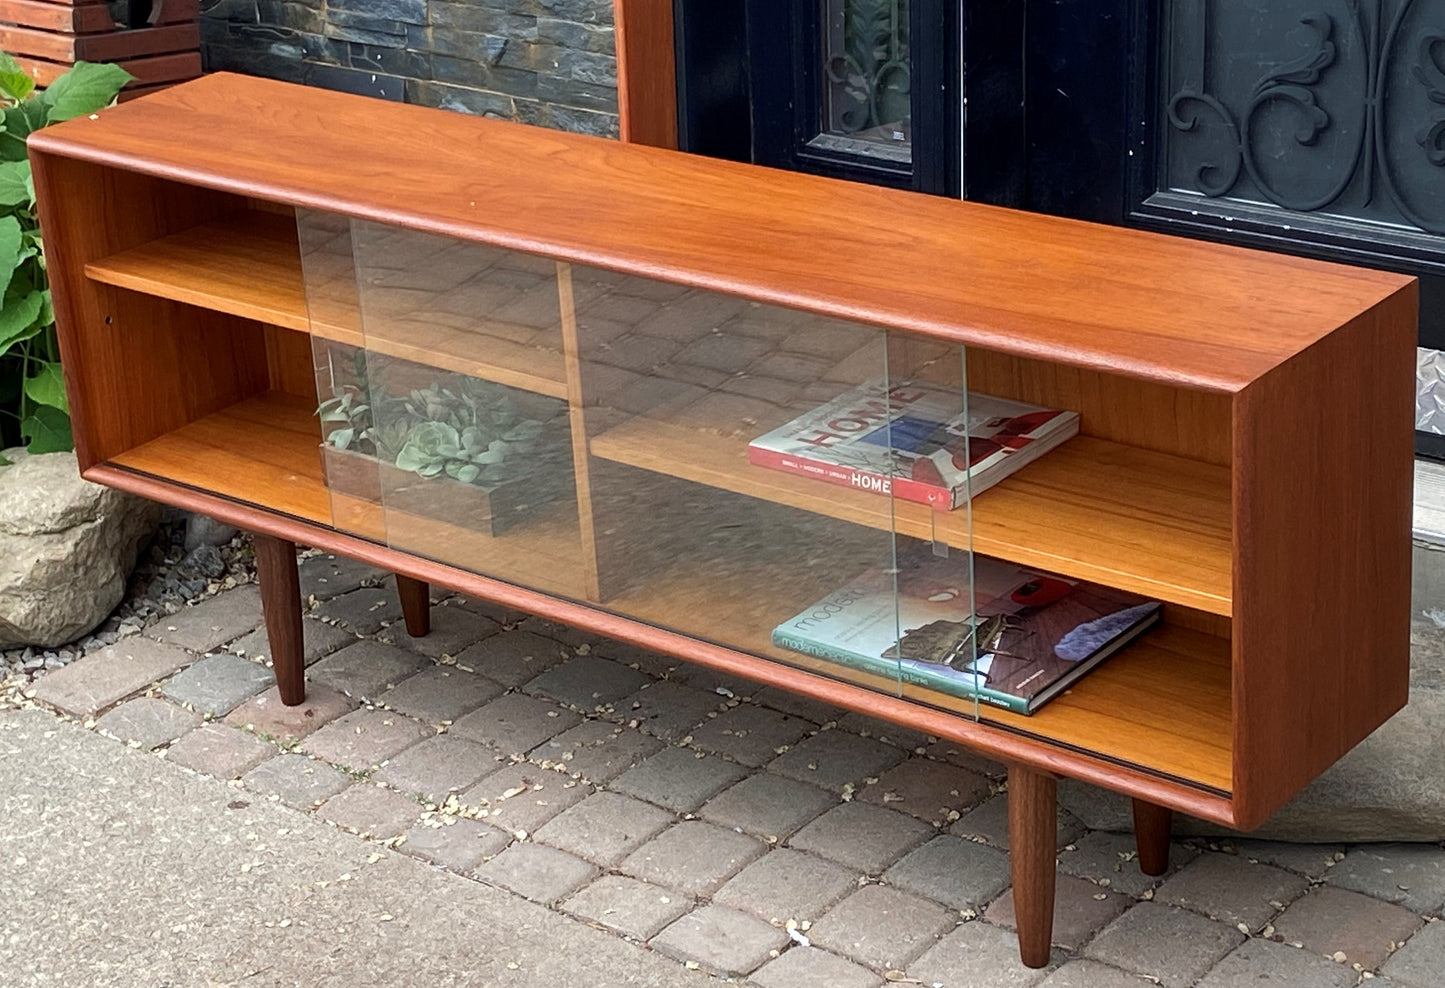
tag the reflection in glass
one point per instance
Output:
(867, 78)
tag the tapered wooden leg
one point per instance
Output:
(281, 605)
(415, 605)
(1032, 830)
(1151, 833)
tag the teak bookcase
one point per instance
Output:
(1245, 454)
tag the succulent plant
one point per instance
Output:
(473, 431)
(349, 410)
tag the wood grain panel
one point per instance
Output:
(119, 45)
(1323, 502)
(1125, 517)
(1192, 424)
(1111, 299)
(290, 363)
(261, 451)
(179, 362)
(81, 19)
(646, 71)
(247, 264)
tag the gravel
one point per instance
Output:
(166, 578)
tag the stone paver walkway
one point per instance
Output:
(735, 829)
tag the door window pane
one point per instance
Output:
(866, 79)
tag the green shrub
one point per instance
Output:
(33, 409)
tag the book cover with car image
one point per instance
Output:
(1019, 640)
(914, 441)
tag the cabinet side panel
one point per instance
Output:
(134, 366)
(1322, 492)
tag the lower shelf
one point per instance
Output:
(263, 451)
(1162, 704)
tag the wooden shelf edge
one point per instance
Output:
(987, 740)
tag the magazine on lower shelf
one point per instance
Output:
(1036, 632)
(914, 441)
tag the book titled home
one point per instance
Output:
(915, 441)
(1017, 639)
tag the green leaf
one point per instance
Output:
(20, 121)
(15, 183)
(47, 430)
(48, 387)
(19, 318)
(10, 250)
(87, 87)
(15, 82)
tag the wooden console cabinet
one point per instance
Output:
(229, 253)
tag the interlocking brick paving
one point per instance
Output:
(693, 857)
(721, 940)
(881, 927)
(147, 722)
(1233, 890)
(862, 836)
(106, 675)
(365, 669)
(1081, 909)
(785, 884)
(219, 750)
(628, 906)
(1171, 944)
(670, 809)
(371, 811)
(440, 694)
(456, 844)
(363, 739)
(218, 684)
(1332, 921)
(213, 622)
(604, 828)
(542, 874)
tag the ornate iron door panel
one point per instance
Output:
(1333, 110)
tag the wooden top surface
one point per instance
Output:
(1187, 312)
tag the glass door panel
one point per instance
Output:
(468, 406)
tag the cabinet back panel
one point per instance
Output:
(1194, 424)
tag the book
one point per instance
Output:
(914, 441)
(1036, 632)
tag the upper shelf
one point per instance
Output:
(1192, 314)
(1147, 522)
(249, 265)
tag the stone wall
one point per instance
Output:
(548, 62)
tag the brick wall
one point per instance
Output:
(547, 62)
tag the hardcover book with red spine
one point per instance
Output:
(915, 441)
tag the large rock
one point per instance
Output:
(66, 548)
(1391, 787)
